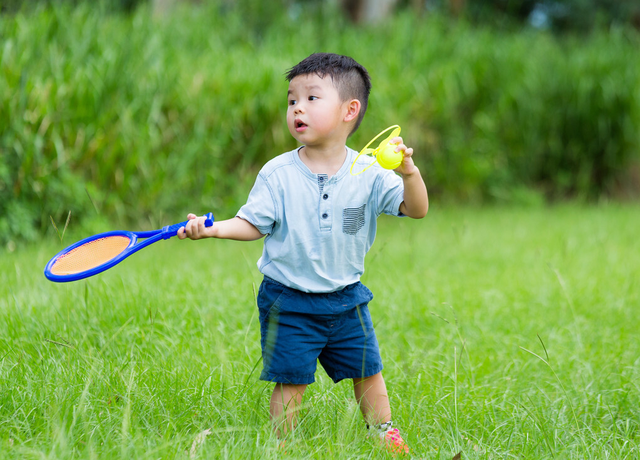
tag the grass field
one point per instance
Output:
(506, 333)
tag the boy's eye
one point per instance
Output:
(292, 101)
(313, 98)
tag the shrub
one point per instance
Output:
(142, 119)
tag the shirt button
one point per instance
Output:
(325, 196)
(325, 215)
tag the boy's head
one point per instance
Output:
(349, 78)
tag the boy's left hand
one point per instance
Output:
(407, 166)
(416, 200)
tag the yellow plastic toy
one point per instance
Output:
(384, 154)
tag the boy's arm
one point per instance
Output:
(231, 229)
(416, 199)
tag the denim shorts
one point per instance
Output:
(298, 328)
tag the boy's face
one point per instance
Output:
(315, 115)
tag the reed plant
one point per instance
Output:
(139, 118)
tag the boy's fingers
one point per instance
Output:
(407, 151)
(186, 231)
(401, 147)
(191, 228)
(194, 228)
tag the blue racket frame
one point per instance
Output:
(151, 237)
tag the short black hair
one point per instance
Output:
(350, 78)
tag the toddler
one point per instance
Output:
(319, 222)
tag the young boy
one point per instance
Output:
(319, 222)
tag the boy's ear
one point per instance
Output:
(353, 109)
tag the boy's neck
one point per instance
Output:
(323, 160)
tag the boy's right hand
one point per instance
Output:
(231, 229)
(195, 228)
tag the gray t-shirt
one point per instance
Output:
(319, 229)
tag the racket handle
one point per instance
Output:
(172, 230)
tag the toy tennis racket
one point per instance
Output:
(384, 154)
(100, 252)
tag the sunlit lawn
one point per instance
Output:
(506, 333)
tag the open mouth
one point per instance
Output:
(299, 125)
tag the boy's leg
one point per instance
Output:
(371, 394)
(284, 407)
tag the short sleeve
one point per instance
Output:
(389, 193)
(260, 209)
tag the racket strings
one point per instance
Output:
(90, 255)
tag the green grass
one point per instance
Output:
(506, 333)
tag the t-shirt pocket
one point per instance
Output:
(353, 219)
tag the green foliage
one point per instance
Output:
(502, 112)
(581, 16)
(140, 118)
(585, 15)
(13, 6)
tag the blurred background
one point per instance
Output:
(131, 113)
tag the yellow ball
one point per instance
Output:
(388, 158)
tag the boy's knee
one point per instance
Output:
(289, 389)
(371, 378)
